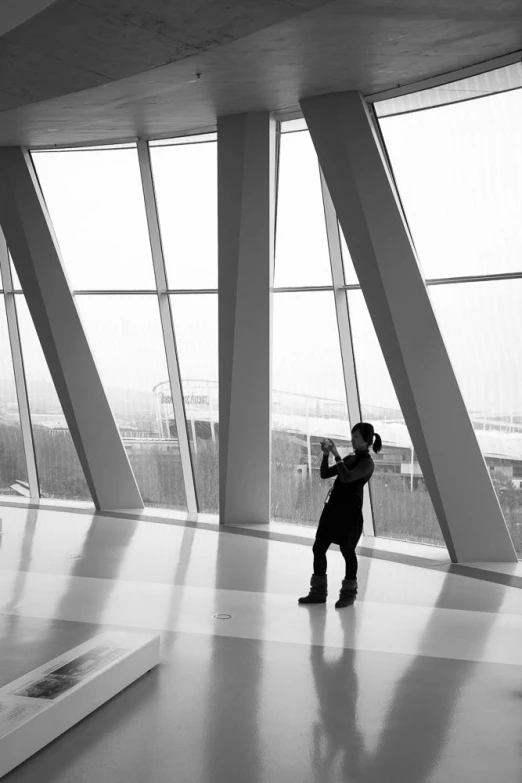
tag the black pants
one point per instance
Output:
(347, 548)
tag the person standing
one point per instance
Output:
(341, 521)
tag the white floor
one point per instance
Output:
(420, 680)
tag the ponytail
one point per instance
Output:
(369, 434)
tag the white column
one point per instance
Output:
(167, 326)
(345, 335)
(36, 256)
(19, 372)
(365, 199)
(246, 189)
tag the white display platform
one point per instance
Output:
(40, 706)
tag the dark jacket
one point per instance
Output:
(344, 506)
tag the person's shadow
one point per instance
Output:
(338, 749)
(417, 721)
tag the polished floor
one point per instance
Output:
(420, 681)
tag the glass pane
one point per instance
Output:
(196, 326)
(59, 469)
(95, 201)
(195, 138)
(13, 468)
(127, 343)
(14, 276)
(308, 402)
(302, 256)
(185, 181)
(401, 505)
(294, 126)
(469, 89)
(350, 276)
(482, 326)
(459, 173)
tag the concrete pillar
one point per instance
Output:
(246, 209)
(28, 230)
(365, 199)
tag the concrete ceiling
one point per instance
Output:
(92, 70)
(15, 12)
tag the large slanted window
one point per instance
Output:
(125, 335)
(481, 323)
(196, 325)
(301, 244)
(185, 180)
(458, 167)
(308, 401)
(309, 394)
(402, 507)
(185, 183)
(13, 468)
(59, 471)
(96, 202)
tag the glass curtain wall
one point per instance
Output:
(196, 325)
(309, 397)
(95, 200)
(13, 468)
(96, 203)
(308, 401)
(458, 167)
(401, 505)
(185, 182)
(59, 471)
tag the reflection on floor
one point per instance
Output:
(420, 681)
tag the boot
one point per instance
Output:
(348, 593)
(318, 590)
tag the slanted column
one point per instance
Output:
(246, 210)
(364, 196)
(28, 230)
(345, 335)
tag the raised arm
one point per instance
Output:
(361, 470)
(326, 471)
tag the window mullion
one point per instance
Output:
(345, 331)
(19, 371)
(167, 325)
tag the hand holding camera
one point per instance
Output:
(326, 445)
